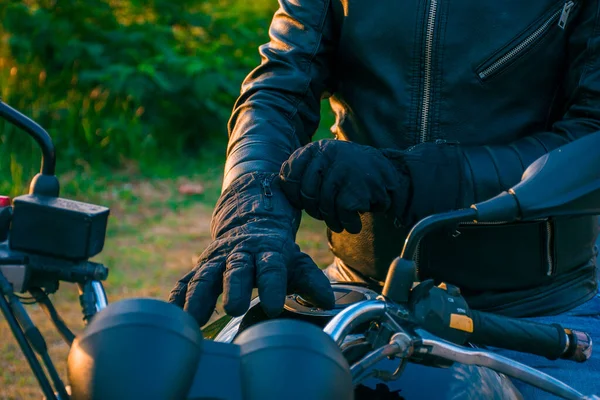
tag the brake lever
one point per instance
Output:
(400, 345)
(432, 345)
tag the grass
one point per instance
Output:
(154, 235)
(154, 231)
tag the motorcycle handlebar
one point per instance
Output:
(105, 359)
(550, 341)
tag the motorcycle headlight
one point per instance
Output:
(135, 349)
(289, 359)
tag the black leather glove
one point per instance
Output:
(253, 228)
(336, 180)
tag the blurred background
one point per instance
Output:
(136, 95)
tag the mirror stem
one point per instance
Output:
(38, 133)
(431, 223)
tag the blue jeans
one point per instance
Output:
(584, 377)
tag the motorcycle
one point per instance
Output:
(412, 340)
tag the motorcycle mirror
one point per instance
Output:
(45, 183)
(565, 181)
(290, 359)
(135, 349)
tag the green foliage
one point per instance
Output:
(113, 80)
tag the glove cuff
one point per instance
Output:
(437, 179)
(397, 159)
(253, 196)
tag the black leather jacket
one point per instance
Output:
(508, 80)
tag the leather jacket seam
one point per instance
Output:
(244, 171)
(248, 142)
(541, 142)
(590, 56)
(551, 107)
(436, 131)
(518, 154)
(492, 156)
(310, 61)
(469, 170)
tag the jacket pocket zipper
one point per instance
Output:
(549, 242)
(562, 15)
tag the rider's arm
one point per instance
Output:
(468, 174)
(279, 107)
(492, 169)
(253, 225)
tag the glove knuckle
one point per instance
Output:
(238, 259)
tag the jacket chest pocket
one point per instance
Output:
(551, 23)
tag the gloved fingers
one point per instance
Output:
(307, 280)
(350, 220)
(238, 281)
(203, 291)
(399, 194)
(389, 173)
(328, 200)
(312, 184)
(293, 168)
(292, 172)
(349, 203)
(381, 199)
(271, 280)
(397, 186)
(178, 293)
(399, 197)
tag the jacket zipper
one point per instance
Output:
(561, 15)
(564, 16)
(425, 106)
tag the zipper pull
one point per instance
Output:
(266, 184)
(564, 15)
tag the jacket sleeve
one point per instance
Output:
(447, 176)
(490, 170)
(278, 110)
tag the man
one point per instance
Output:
(439, 104)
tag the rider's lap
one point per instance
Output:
(584, 377)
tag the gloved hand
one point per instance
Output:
(336, 180)
(253, 230)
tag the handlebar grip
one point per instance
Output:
(550, 341)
